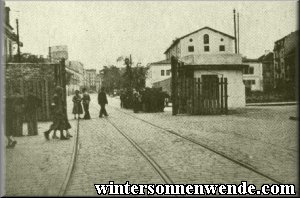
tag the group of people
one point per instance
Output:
(146, 100)
(59, 113)
(60, 119)
(85, 100)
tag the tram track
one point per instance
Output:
(71, 167)
(67, 181)
(151, 161)
(204, 146)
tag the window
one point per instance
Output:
(191, 48)
(252, 82)
(251, 70)
(222, 48)
(206, 48)
(206, 39)
(222, 39)
(162, 72)
(191, 40)
(168, 72)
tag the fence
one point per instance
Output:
(204, 96)
(198, 96)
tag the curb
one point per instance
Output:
(64, 186)
(272, 104)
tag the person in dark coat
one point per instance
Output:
(32, 104)
(9, 122)
(86, 102)
(136, 101)
(122, 99)
(77, 108)
(102, 101)
(60, 120)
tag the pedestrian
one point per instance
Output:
(136, 102)
(77, 108)
(9, 123)
(122, 99)
(32, 103)
(102, 101)
(60, 120)
(85, 102)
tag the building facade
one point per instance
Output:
(75, 76)
(56, 53)
(210, 53)
(253, 75)
(203, 41)
(158, 71)
(90, 79)
(285, 61)
(9, 37)
(99, 79)
(268, 70)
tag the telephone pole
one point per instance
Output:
(18, 41)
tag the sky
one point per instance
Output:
(98, 32)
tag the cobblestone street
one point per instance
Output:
(251, 136)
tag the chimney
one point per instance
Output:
(7, 19)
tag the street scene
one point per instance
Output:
(99, 96)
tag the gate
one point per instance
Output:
(197, 96)
(202, 96)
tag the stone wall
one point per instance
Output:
(20, 78)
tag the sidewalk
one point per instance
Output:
(272, 103)
(36, 167)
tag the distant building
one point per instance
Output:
(75, 76)
(267, 61)
(10, 38)
(285, 56)
(90, 79)
(99, 79)
(56, 53)
(158, 71)
(253, 75)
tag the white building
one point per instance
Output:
(210, 53)
(75, 73)
(253, 75)
(158, 71)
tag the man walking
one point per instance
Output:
(102, 101)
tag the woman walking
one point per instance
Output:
(85, 102)
(77, 108)
(60, 120)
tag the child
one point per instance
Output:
(77, 108)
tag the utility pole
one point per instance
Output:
(18, 41)
(238, 33)
(234, 21)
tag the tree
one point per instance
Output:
(111, 78)
(27, 58)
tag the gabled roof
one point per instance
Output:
(168, 61)
(178, 39)
(265, 58)
(250, 60)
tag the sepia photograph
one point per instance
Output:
(147, 98)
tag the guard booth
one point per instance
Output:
(40, 80)
(206, 95)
